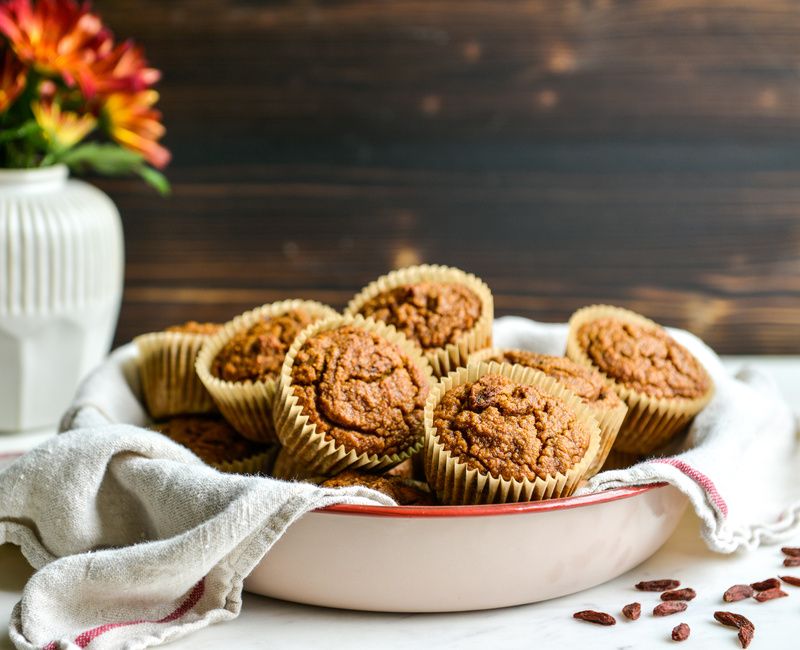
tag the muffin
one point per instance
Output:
(166, 367)
(218, 444)
(193, 327)
(496, 433)
(587, 383)
(240, 364)
(405, 492)
(447, 312)
(662, 383)
(351, 394)
(257, 353)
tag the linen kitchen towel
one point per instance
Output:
(137, 542)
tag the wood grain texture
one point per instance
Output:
(642, 153)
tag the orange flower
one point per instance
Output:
(124, 69)
(136, 125)
(12, 78)
(55, 36)
(63, 129)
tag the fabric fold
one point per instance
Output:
(135, 540)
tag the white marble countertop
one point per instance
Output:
(267, 623)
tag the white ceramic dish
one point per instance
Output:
(455, 558)
(445, 559)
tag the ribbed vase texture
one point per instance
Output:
(61, 270)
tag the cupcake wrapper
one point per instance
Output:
(650, 421)
(620, 460)
(455, 483)
(247, 406)
(311, 450)
(608, 419)
(288, 468)
(258, 464)
(170, 385)
(453, 355)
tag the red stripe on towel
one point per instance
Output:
(701, 479)
(85, 638)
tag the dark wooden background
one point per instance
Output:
(642, 153)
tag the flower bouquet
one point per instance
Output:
(70, 94)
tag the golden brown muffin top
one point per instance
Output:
(257, 353)
(211, 438)
(193, 327)
(644, 358)
(404, 491)
(431, 314)
(510, 430)
(360, 390)
(585, 382)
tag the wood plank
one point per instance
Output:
(640, 153)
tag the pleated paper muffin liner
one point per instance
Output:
(247, 405)
(259, 464)
(312, 450)
(170, 385)
(620, 460)
(651, 421)
(609, 419)
(288, 468)
(453, 355)
(455, 483)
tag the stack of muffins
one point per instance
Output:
(403, 393)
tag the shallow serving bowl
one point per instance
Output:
(457, 558)
(454, 558)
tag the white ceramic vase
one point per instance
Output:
(61, 273)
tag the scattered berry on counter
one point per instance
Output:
(658, 585)
(681, 632)
(632, 611)
(591, 616)
(769, 583)
(679, 594)
(770, 594)
(745, 627)
(738, 592)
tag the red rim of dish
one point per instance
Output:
(491, 509)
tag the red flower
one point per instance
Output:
(108, 84)
(57, 37)
(12, 78)
(124, 69)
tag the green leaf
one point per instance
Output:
(21, 132)
(113, 160)
(108, 159)
(155, 179)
